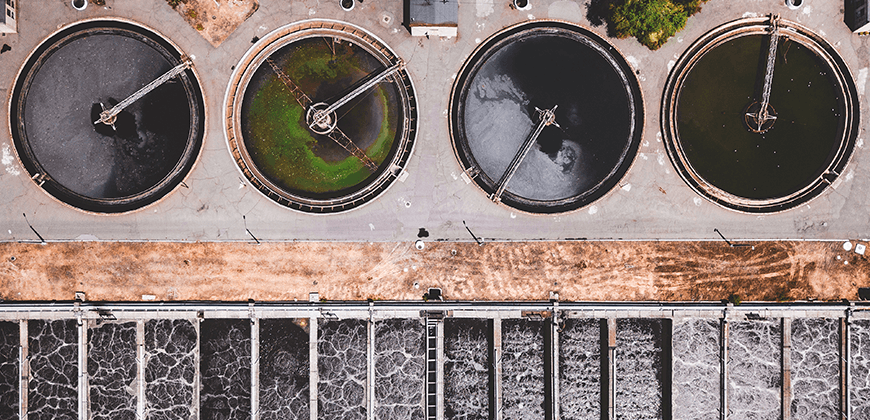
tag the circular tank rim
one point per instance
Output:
(193, 159)
(639, 117)
(850, 126)
(236, 88)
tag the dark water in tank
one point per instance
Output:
(774, 164)
(755, 370)
(580, 369)
(467, 368)
(9, 377)
(170, 369)
(112, 371)
(639, 366)
(225, 369)
(94, 161)
(284, 370)
(522, 371)
(53, 387)
(400, 368)
(815, 368)
(341, 365)
(543, 71)
(696, 369)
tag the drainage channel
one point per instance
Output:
(459, 360)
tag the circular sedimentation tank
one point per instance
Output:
(69, 80)
(321, 116)
(546, 117)
(721, 143)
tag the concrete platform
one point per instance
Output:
(653, 202)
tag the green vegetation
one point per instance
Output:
(652, 22)
(175, 3)
(281, 144)
(735, 299)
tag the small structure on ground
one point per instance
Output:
(432, 17)
(856, 15)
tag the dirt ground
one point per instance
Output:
(215, 20)
(578, 271)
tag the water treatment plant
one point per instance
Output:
(260, 209)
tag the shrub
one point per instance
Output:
(652, 22)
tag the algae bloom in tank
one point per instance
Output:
(322, 116)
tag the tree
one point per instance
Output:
(652, 22)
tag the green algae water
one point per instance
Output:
(279, 141)
(794, 152)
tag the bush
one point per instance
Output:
(652, 22)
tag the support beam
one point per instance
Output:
(255, 366)
(844, 351)
(611, 368)
(197, 374)
(313, 375)
(497, 356)
(140, 371)
(440, 365)
(554, 360)
(786, 369)
(723, 368)
(23, 368)
(847, 363)
(83, 365)
(370, 359)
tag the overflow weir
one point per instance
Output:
(378, 360)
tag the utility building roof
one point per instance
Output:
(436, 17)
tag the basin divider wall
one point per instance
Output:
(255, 367)
(370, 371)
(723, 367)
(786, 369)
(846, 369)
(496, 380)
(611, 367)
(197, 383)
(667, 372)
(439, 365)
(23, 369)
(83, 367)
(554, 362)
(313, 376)
(140, 369)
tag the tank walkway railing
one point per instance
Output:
(763, 116)
(108, 116)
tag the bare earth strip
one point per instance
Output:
(579, 271)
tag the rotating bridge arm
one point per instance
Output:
(548, 117)
(108, 115)
(335, 134)
(321, 115)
